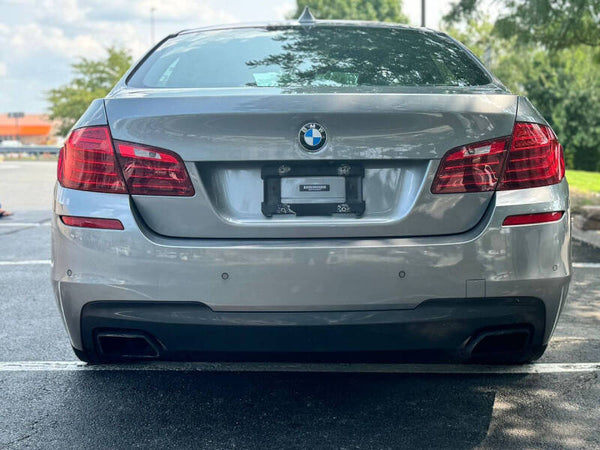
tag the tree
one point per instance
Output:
(556, 24)
(562, 84)
(497, 54)
(93, 79)
(566, 89)
(380, 10)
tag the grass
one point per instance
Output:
(584, 181)
(584, 188)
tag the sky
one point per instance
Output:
(40, 39)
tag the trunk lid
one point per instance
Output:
(227, 137)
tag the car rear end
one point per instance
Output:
(324, 191)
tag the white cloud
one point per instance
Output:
(196, 11)
(37, 40)
(3, 69)
(59, 11)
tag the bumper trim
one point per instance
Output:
(192, 331)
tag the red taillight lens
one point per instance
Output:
(92, 222)
(535, 159)
(472, 168)
(152, 171)
(529, 219)
(87, 162)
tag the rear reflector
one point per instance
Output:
(472, 168)
(92, 222)
(87, 162)
(535, 158)
(528, 219)
(153, 171)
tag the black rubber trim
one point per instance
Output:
(193, 331)
(146, 56)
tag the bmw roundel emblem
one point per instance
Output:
(312, 136)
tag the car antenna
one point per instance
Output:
(306, 18)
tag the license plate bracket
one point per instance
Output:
(315, 183)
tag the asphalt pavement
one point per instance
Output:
(49, 401)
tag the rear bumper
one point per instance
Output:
(448, 328)
(314, 277)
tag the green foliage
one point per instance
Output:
(380, 10)
(556, 24)
(497, 54)
(93, 79)
(564, 85)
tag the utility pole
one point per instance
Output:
(152, 25)
(423, 13)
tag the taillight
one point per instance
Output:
(87, 162)
(472, 168)
(153, 171)
(534, 158)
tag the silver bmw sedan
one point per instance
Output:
(311, 189)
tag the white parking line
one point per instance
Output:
(449, 369)
(33, 262)
(24, 224)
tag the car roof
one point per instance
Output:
(316, 23)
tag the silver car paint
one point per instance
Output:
(479, 259)
(306, 274)
(260, 124)
(396, 136)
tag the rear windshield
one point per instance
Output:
(309, 57)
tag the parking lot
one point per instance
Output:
(48, 400)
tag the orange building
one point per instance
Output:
(35, 129)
